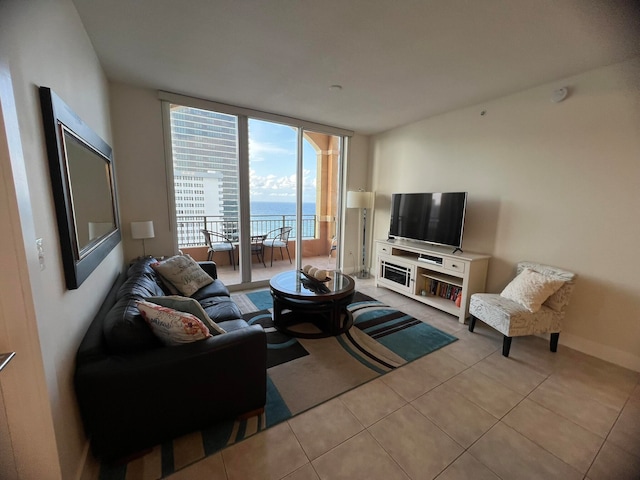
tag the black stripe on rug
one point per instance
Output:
(383, 315)
(366, 353)
(281, 348)
(389, 329)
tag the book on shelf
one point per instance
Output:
(444, 290)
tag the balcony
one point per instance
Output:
(189, 227)
(316, 243)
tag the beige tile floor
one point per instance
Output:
(463, 412)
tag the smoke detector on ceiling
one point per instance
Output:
(560, 94)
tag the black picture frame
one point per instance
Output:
(82, 177)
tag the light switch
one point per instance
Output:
(40, 248)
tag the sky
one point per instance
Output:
(272, 163)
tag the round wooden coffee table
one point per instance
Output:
(297, 299)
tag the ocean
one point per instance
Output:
(262, 220)
(281, 208)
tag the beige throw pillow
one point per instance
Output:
(183, 273)
(530, 289)
(170, 326)
(188, 305)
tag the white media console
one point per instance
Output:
(431, 274)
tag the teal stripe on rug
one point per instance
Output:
(415, 342)
(372, 313)
(276, 410)
(261, 299)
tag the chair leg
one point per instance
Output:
(506, 346)
(272, 256)
(472, 323)
(289, 254)
(210, 255)
(281, 256)
(553, 344)
(232, 259)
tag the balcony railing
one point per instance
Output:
(189, 227)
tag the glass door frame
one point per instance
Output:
(243, 115)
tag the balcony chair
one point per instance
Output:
(219, 243)
(279, 240)
(257, 248)
(334, 245)
(531, 304)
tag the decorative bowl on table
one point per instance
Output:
(312, 277)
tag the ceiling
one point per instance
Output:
(397, 60)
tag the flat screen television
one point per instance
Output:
(429, 217)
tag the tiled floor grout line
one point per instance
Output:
(611, 429)
(549, 374)
(501, 420)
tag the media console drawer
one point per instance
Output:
(455, 265)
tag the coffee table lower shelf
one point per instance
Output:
(330, 316)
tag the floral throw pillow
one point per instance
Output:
(172, 327)
(188, 305)
(183, 273)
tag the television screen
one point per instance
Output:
(429, 217)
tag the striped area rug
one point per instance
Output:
(302, 374)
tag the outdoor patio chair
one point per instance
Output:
(219, 243)
(278, 238)
(257, 248)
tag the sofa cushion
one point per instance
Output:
(124, 329)
(183, 273)
(141, 285)
(140, 266)
(231, 325)
(171, 326)
(221, 309)
(214, 289)
(188, 305)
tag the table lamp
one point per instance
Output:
(142, 231)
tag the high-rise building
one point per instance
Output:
(205, 164)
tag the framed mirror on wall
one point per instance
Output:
(82, 179)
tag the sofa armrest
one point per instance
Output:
(127, 402)
(210, 268)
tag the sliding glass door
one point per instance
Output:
(273, 193)
(254, 195)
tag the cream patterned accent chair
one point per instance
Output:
(532, 303)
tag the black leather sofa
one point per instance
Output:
(134, 392)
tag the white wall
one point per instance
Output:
(142, 179)
(357, 176)
(45, 44)
(554, 183)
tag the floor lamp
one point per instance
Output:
(361, 200)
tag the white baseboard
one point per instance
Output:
(609, 354)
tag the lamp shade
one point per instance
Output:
(358, 199)
(142, 230)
